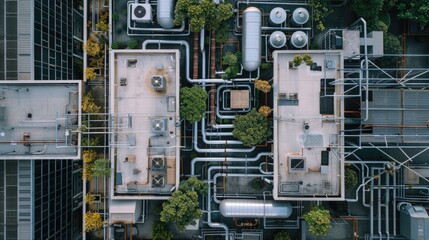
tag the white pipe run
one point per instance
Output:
(228, 159)
(218, 150)
(205, 134)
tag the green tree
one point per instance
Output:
(229, 59)
(263, 85)
(160, 231)
(88, 155)
(193, 182)
(251, 128)
(319, 221)
(283, 235)
(230, 72)
(92, 47)
(181, 209)
(133, 44)
(320, 12)
(100, 168)
(202, 14)
(102, 26)
(350, 178)
(414, 10)
(192, 103)
(367, 9)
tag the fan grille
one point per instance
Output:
(139, 11)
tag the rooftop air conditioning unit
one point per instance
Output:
(141, 12)
(157, 162)
(158, 82)
(158, 181)
(159, 125)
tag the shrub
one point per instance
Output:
(88, 155)
(251, 128)
(319, 221)
(265, 111)
(92, 221)
(90, 73)
(263, 86)
(89, 198)
(193, 103)
(133, 44)
(350, 178)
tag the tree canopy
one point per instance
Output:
(350, 178)
(100, 168)
(319, 221)
(92, 221)
(160, 231)
(181, 209)
(367, 9)
(283, 235)
(263, 85)
(251, 128)
(204, 13)
(193, 182)
(192, 103)
(414, 10)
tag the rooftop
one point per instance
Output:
(308, 118)
(37, 125)
(144, 94)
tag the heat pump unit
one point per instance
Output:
(159, 125)
(158, 82)
(158, 181)
(141, 12)
(157, 162)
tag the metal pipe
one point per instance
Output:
(379, 206)
(371, 204)
(206, 141)
(386, 208)
(220, 150)
(186, 44)
(227, 159)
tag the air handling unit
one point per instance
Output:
(141, 12)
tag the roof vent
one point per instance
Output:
(158, 82)
(158, 162)
(159, 125)
(158, 181)
(141, 13)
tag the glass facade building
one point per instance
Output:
(40, 40)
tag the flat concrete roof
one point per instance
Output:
(308, 119)
(144, 103)
(39, 119)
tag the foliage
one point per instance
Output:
(307, 59)
(115, 17)
(92, 221)
(392, 44)
(297, 60)
(89, 198)
(350, 178)
(92, 47)
(102, 26)
(115, 45)
(378, 26)
(222, 34)
(263, 85)
(181, 209)
(96, 62)
(367, 9)
(319, 221)
(133, 44)
(251, 128)
(266, 66)
(192, 103)
(90, 73)
(86, 173)
(90, 141)
(265, 111)
(229, 59)
(100, 168)
(88, 155)
(414, 10)
(193, 182)
(283, 235)
(88, 104)
(160, 231)
(204, 13)
(320, 12)
(230, 72)
(257, 183)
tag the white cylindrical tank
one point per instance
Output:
(164, 13)
(251, 48)
(251, 208)
(300, 16)
(278, 15)
(299, 39)
(277, 39)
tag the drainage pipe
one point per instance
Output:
(227, 159)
